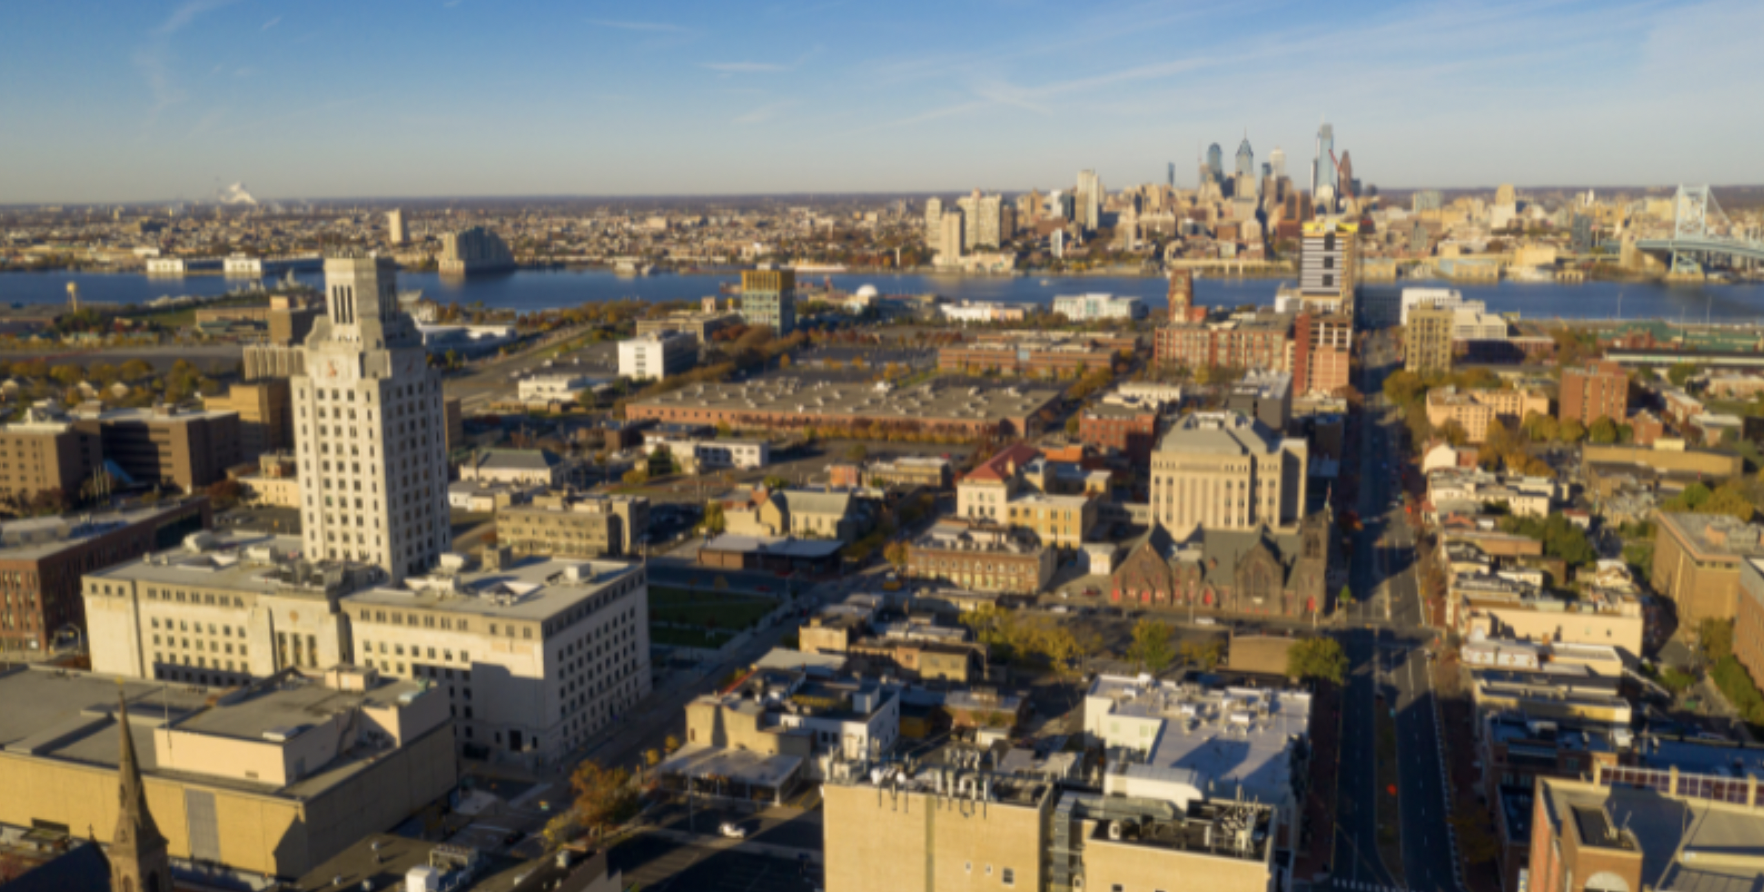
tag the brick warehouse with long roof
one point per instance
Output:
(795, 403)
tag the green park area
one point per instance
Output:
(684, 617)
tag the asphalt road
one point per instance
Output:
(1387, 655)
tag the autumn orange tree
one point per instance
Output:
(605, 796)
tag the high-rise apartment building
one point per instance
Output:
(657, 355)
(1597, 390)
(396, 231)
(950, 239)
(370, 429)
(47, 452)
(1277, 163)
(1226, 471)
(474, 250)
(1329, 261)
(983, 219)
(1427, 339)
(1089, 200)
(768, 296)
(934, 225)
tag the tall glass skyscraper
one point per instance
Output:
(1323, 167)
(1216, 161)
(1246, 159)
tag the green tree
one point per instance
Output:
(1571, 431)
(1204, 655)
(68, 375)
(856, 452)
(773, 482)
(1151, 646)
(1317, 659)
(135, 369)
(661, 462)
(1603, 431)
(1680, 373)
(714, 519)
(1072, 426)
(1345, 598)
(897, 553)
(1716, 638)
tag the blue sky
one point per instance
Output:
(147, 100)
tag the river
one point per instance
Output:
(546, 289)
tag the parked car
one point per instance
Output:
(732, 830)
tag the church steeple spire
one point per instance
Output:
(138, 858)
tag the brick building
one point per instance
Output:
(1255, 343)
(44, 453)
(1321, 344)
(1031, 355)
(982, 557)
(42, 559)
(1131, 431)
(1597, 390)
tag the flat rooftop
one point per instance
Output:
(241, 561)
(71, 717)
(34, 538)
(1235, 735)
(1685, 843)
(797, 396)
(533, 589)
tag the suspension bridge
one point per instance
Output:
(1701, 233)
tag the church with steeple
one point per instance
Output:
(138, 858)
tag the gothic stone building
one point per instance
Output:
(1263, 571)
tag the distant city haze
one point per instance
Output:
(157, 101)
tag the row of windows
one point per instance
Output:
(212, 646)
(446, 656)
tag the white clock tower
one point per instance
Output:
(369, 429)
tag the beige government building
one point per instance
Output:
(528, 655)
(1227, 471)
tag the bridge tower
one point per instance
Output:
(1690, 222)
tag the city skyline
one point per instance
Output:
(174, 101)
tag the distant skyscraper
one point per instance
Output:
(1216, 162)
(1172, 175)
(1246, 159)
(1089, 200)
(1345, 188)
(1057, 243)
(934, 225)
(370, 431)
(1323, 165)
(396, 232)
(1425, 200)
(1277, 162)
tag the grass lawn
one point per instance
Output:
(672, 637)
(711, 609)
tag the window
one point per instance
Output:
(1008, 877)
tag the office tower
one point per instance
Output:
(768, 297)
(934, 225)
(1323, 165)
(1581, 227)
(1277, 162)
(1216, 162)
(1061, 205)
(1089, 200)
(1057, 243)
(1246, 159)
(1505, 194)
(396, 232)
(1345, 187)
(1425, 200)
(369, 429)
(1170, 176)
